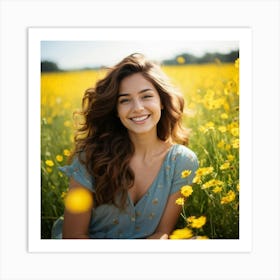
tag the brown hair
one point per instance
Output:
(102, 141)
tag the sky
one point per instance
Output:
(81, 54)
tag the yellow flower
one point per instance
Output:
(227, 147)
(59, 158)
(49, 169)
(78, 200)
(221, 144)
(202, 237)
(209, 94)
(235, 131)
(217, 189)
(203, 129)
(225, 166)
(184, 233)
(63, 194)
(66, 152)
(181, 60)
(233, 125)
(222, 128)
(67, 123)
(197, 180)
(235, 143)
(228, 198)
(204, 171)
(186, 191)
(196, 222)
(180, 201)
(49, 163)
(190, 219)
(185, 173)
(226, 107)
(224, 116)
(230, 157)
(211, 183)
(238, 187)
(210, 125)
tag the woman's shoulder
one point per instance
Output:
(183, 151)
(77, 169)
(183, 157)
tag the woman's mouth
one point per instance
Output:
(140, 119)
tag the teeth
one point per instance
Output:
(139, 119)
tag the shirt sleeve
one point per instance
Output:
(78, 171)
(185, 160)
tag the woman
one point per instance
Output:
(129, 156)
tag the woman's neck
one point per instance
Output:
(147, 147)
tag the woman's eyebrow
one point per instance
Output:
(141, 91)
(144, 90)
(123, 94)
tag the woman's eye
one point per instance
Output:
(147, 96)
(124, 100)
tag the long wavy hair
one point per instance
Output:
(102, 142)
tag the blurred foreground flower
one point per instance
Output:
(78, 200)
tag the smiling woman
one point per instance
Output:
(140, 108)
(130, 154)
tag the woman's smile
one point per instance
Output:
(140, 119)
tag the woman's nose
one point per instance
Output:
(138, 105)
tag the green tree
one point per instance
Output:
(49, 66)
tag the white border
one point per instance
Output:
(262, 16)
(243, 36)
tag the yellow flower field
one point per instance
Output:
(212, 113)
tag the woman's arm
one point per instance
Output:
(76, 225)
(169, 218)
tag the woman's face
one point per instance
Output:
(138, 106)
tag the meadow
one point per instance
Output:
(210, 207)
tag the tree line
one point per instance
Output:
(187, 58)
(49, 66)
(184, 58)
